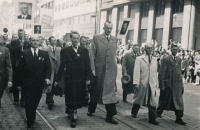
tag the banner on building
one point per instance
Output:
(24, 11)
(124, 28)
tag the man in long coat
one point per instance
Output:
(145, 81)
(5, 69)
(54, 56)
(76, 71)
(35, 70)
(171, 85)
(128, 63)
(104, 68)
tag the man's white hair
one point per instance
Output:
(21, 5)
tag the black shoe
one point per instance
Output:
(50, 105)
(73, 124)
(154, 122)
(124, 100)
(134, 116)
(180, 121)
(29, 127)
(111, 120)
(22, 104)
(89, 113)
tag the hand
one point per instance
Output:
(48, 82)
(9, 84)
(93, 72)
(87, 82)
(56, 83)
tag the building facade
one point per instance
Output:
(75, 15)
(160, 20)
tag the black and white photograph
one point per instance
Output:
(100, 65)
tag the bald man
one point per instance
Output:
(24, 12)
(145, 81)
(35, 69)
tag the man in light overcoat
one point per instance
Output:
(171, 85)
(104, 68)
(145, 81)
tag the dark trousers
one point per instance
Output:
(22, 95)
(33, 96)
(152, 110)
(124, 95)
(49, 97)
(110, 108)
(15, 94)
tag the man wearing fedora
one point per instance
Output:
(128, 63)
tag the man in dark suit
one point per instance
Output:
(35, 70)
(24, 12)
(5, 69)
(171, 85)
(128, 63)
(75, 63)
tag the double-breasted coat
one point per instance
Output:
(5, 68)
(55, 63)
(170, 78)
(75, 69)
(128, 64)
(103, 62)
(145, 75)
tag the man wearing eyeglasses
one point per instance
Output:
(145, 81)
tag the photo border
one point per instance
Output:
(124, 35)
(32, 28)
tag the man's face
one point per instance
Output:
(125, 26)
(14, 37)
(24, 9)
(26, 38)
(75, 39)
(136, 49)
(174, 50)
(108, 28)
(83, 42)
(41, 40)
(148, 50)
(34, 42)
(20, 34)
(38, 28)
(53, 42)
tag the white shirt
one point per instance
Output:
(32, 50)
(24, 16)
(108, 36)
(53, 48)
(75, 49)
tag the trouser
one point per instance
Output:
(72, 114)
(110, 108)
(152, 110)
(22, 95)
(49, 97)
(1, 93)
(124, 95)
(15, 94)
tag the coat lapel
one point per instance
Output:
(111, 42)
(72, 53)
(51, 53)
(172, 62)
(104, 39)
(31, 58)
(145, 58)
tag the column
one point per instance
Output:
(137, 24)
(103, 20)
(151, 21)
(114, 21)
(188, 24)
(167, 23)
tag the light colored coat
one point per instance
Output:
(103, 61)
(55, 62)
(145, 75)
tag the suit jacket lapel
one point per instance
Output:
(172, 62)
(30, 57)
(145, 58)
(51, 53)
(72, 53)
(104, 39)
(111, 42)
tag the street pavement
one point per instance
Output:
(13, 117)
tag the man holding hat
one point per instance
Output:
(171, 85)
(128, 63)
(145, 81)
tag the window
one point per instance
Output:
(109, 15)
(145, 9)
(160, 7)
(92, 20)
(63, 6)
(131, 11)
(55, 8)
(59, 7)
(51, 5)
(48, 5)
(87, 18)
(76, 20)
(81, 19)
(178, 6)
(176, 34)
(158, 36)
(143, 35)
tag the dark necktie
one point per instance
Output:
(149, 59)
(54, 51)
(108, 39)
(174, 58)
(35, 55)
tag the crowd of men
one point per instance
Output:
(35, 65)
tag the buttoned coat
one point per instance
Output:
(145, 75)
(5, 68)
(170, 78)
(128, 64)
(103, 61)
(55, 62)
(75, 69)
